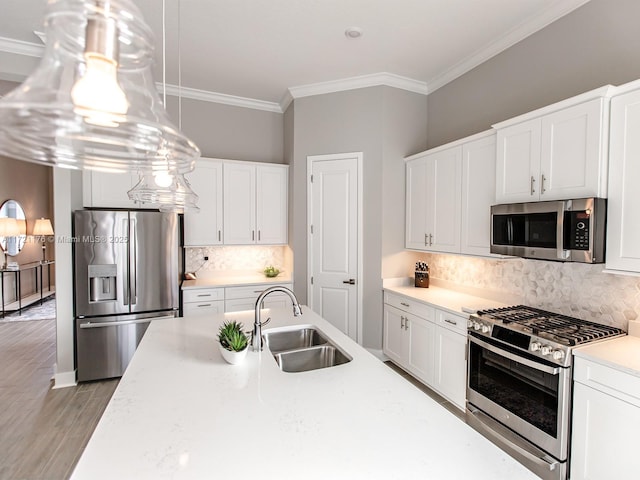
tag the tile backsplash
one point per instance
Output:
(574, 289)
(236, 258)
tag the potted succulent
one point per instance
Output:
(233, 342)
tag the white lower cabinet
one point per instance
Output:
(237, 299)
(202, 301)
(429, 343)
(606, 416)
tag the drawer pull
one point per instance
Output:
(204, 295)
(204, 305)
(450, 321)
(404, 304)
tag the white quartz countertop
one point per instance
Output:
(181, 412)
(236, 281)
(446, 299)
(621, 353)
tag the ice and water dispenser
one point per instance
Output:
(102, 283)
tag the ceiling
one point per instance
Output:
(261, 53)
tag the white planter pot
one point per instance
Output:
(234, 358)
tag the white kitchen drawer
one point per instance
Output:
(239, 304)
(275, 300)
(203, 308)
(451, 321)
(201, 294)
(410, 305)
(250, 291)
(608, 380)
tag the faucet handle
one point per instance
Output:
(262, 324)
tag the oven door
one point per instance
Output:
(528, 396)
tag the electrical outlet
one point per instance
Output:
(206, 259)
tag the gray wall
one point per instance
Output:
(225, 131)
(385, 124)
(596, 45)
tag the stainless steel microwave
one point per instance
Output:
(563, 230)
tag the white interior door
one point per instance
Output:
(334, 240)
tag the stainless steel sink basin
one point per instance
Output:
(280, 340)
(303, 347)
(310, 358)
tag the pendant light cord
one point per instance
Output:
(164, 54)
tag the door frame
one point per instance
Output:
(359, 283)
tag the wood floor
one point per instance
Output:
(42, 431)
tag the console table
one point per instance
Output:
(39, 293)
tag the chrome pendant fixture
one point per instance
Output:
(92, 102)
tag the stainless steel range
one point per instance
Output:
(519, 381)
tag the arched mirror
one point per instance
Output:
(12, 239)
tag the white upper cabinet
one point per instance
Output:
(478, 194)
(450, 190)
(558, 152)
(623, 227)
(205, 227)
(109, 190)
(255, 203)
(433, 200)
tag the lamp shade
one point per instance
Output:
(92, 102)
(9, 227)
(42, 227)
(171, 191)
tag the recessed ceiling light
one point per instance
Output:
(353, 32)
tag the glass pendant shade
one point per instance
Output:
(92, 102)
(171, 191)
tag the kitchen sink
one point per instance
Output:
(280, 340)
(302, 348)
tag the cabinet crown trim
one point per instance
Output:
(455, 143)
(603, 92)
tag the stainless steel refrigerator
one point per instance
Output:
(126, 274)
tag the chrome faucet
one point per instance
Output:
(256, 338)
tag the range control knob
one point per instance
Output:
(476, 326)
(485, 328)
(558, 355)
(545, 350)
(535, 346)
(469, 323)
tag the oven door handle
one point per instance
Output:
(515, 358)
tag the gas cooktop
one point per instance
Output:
(542, 333)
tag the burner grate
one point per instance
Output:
(553, 326)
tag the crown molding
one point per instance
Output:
(362, 81)
(510, 38)
(206, 96)
(20, 47)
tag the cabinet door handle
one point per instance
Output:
(430, 239)
(533, 181)
(219, 235)
(405, 304)
(450, 321)
(258, 235)
(406, 324)
(425, 240)
(253, 235)
(542, 180)
(401, 323)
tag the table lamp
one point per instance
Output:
(42, 229)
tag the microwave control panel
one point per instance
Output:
(576, 224)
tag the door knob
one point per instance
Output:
(351, 281)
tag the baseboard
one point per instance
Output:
(64, 380)
(378, 354)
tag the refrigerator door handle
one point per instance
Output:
(133, 264)
(122, 322)
(126, 287)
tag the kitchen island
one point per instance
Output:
(181, 412)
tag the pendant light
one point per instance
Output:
(92, 102)
(162, 184)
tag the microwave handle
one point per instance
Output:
(561, 253)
